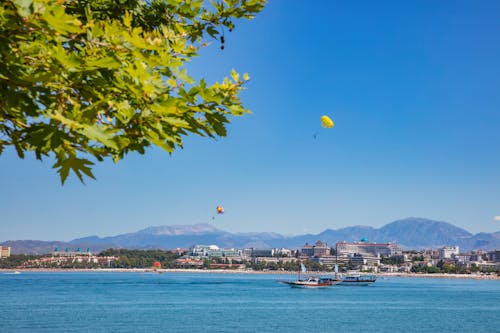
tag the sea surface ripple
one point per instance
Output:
(190, 302)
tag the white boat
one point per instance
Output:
(310, 281)
(352, 278)
(356, 279)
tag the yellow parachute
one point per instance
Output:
(326, 122)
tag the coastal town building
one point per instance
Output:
(71, 252)
(179, 251)
(218, 256)
(366, 248)
(462, 258)
(478, 256)
(448, 252)
(260, 253)
(4, 251)
(274, 260)
(328, 261)
(319, 249)
(307, 250)
(250, 253)
(402, 268)
(361, 260)
(431, 254)
(59, 261)
(494, 256)
(282, 252)
(247, 253)
(188, 263)
(213, 251)
(388, 268)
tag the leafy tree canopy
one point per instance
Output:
(96, 79)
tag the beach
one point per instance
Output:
(238, 271)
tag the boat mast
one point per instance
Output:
(336, 259)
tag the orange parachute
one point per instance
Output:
(220, 210)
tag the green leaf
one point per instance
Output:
(100, 134)
(235, 76)
(127, 19)
(217, 121)
(60, 21)
(212, 31)
(23, 7)
(107, 62)
(178, 122)
(77, 165)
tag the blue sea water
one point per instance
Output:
(180, 302)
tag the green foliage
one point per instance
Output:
(140, 258)
(16, 260)
(393, 260)
(315, 267)
(424, 269)
(96, 79)
(417, 258)
(432, 269)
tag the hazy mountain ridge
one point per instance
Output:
(171, 230)
(411, 233)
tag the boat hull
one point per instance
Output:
(310, 283)
(357, 280)
(355, 283)
(307, 285)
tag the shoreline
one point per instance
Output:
(237, 271)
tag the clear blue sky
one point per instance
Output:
(414, 90)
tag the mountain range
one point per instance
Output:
(409, 233)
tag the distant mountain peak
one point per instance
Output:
(180, 229)
(418, 220)
(411, 223)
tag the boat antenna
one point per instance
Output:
(336, 259)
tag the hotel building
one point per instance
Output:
(368, 249)
(4, 251)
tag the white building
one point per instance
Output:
(213, 251)
(282, 252)
(366, 248)
(448, 252)
(4, 251)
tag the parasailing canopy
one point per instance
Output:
(326, 122)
